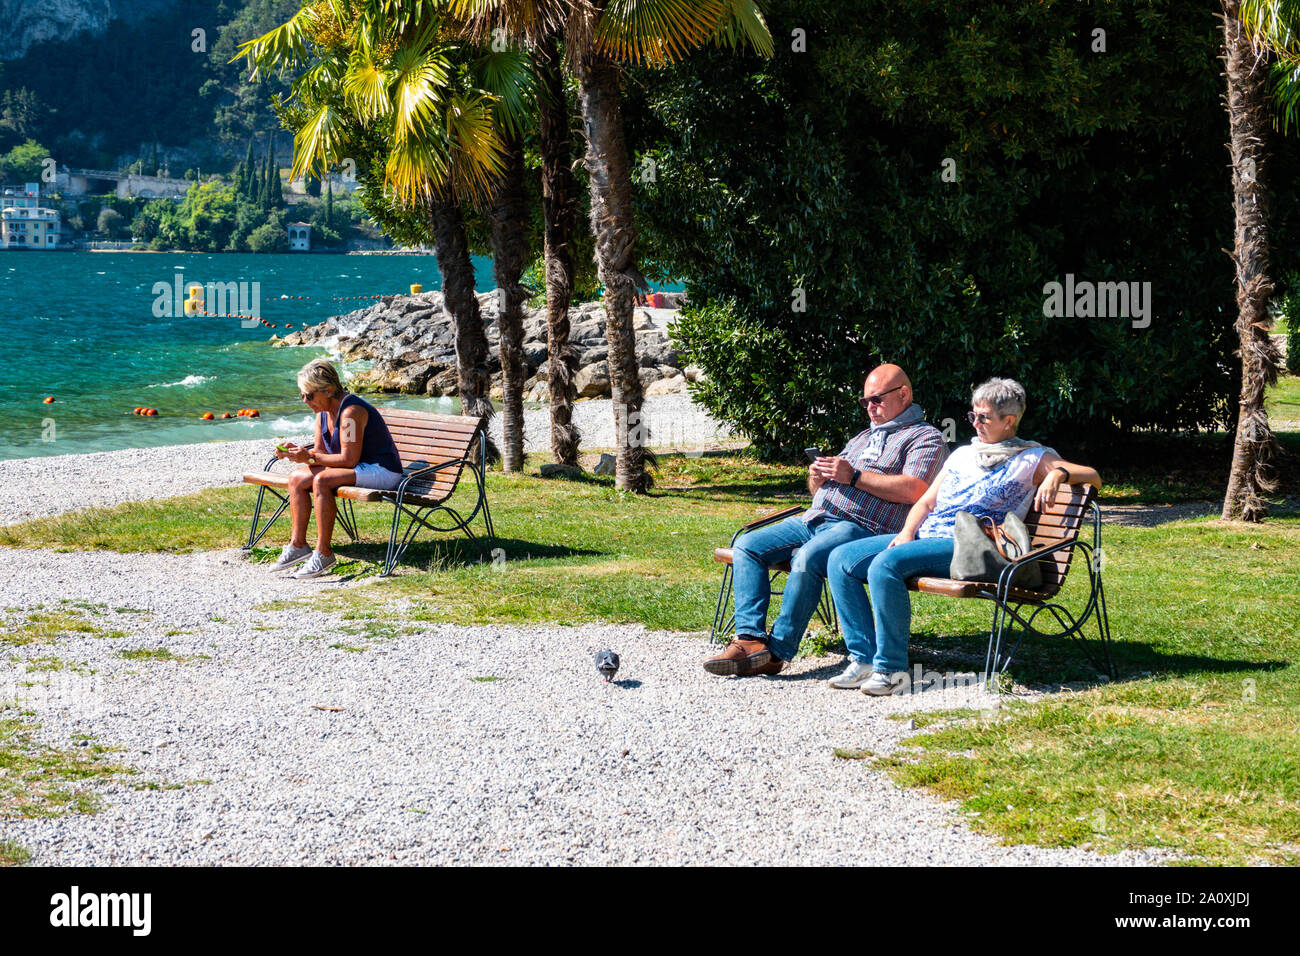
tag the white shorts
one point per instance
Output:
(370, 475)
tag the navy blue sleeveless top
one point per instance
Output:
(377, 446)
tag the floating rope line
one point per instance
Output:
(251, 318)
(338, 298)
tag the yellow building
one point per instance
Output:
(25, 223)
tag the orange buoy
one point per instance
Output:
(49, 400)
(207, 416)
(254, 413)
(151, 411)
(225, 414)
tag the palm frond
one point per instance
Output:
(476, 144)
(419, 79)
(366, 86)
(316, 143)
(278, 48)
(746, 26)
(1272, 23)
(417, 169)
(509, 77)
(528, 20)
(659, 31)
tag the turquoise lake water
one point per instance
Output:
(81, 327)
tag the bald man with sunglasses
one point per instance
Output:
(865, 490)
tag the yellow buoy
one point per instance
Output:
(416, 288)
(194, 304)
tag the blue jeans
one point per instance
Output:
(878, 630)
(756, 551)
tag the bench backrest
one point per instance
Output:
(427, 438)
(1054, 524)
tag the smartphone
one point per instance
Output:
(283, 448)
(813, 453)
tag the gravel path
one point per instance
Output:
(67, 482)
(424, 764)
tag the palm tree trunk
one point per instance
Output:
(508, 215)
(559, 214)
(611, 226)
(473, 378)
(1255, 444)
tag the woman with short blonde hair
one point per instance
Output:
(353, 447)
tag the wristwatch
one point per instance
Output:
(857, 473)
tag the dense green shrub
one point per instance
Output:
(269, 238)
(822, 171)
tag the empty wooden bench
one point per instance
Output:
(1055, 535)
(724, 623)
(435, 451)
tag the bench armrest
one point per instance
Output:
(1009, 572)
(769, 518)
(766, 520)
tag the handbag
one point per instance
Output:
(982, 548)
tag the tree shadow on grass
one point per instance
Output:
(458, 552)
(1047, 660)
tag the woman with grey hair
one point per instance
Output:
(353, 447)
(997, 474)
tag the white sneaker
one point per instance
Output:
(316, 565)
(854, 676)
(880, 684)
(290, 556)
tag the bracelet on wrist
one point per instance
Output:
(1065, 475)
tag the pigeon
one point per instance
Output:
(607, 664)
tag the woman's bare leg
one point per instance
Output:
(322, 490)
(300, 505)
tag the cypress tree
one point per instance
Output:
(153, 160)
(329, 203)
(264, 188)
(246, 185)
(276, 190)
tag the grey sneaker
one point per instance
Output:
(290, 556)
(316, 565)
(854, 676)
(879, 684)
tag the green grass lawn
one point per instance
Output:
(1193, 749)
(1283, 402)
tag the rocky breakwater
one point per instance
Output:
(410, 342)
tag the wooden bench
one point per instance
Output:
(723, 623)
(435, 450)
(1055, 534)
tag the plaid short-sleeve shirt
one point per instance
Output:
(917, 450)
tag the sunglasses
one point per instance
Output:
(981, 418)
(877, 399)
(306, 396)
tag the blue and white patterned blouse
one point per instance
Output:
(965, 486)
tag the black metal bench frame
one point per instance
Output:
(402, 498)
(724, 624)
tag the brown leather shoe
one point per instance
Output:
(771, 668)
(742, 657)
